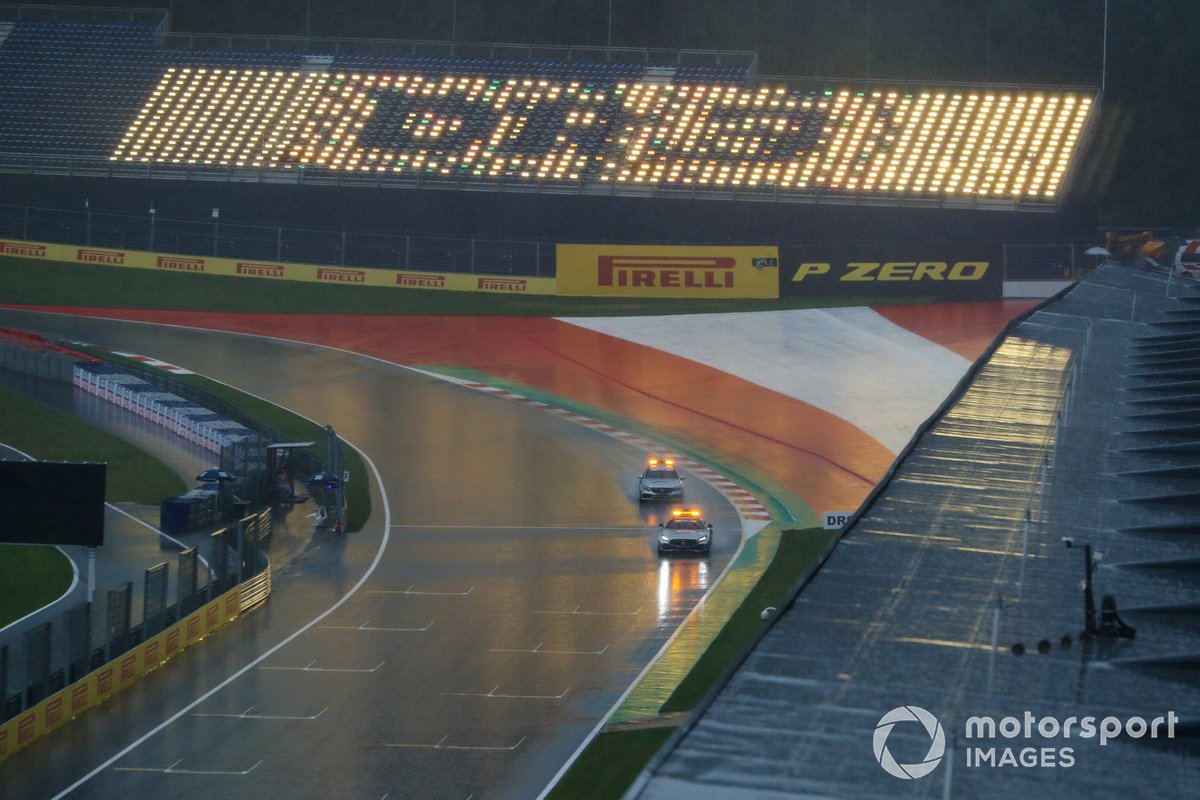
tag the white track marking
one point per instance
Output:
(441, 745)
(412, 590)
(310, 668)
(540, 651)
(387, 520)
(577, 612)
(143, 523)
(494, 693)
(365, 627)
(171, 770)
(71, 561)
(247, 715)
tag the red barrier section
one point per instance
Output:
(965, 328)
(31, 341)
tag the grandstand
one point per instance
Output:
(120, 99)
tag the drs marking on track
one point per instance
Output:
(836, 520)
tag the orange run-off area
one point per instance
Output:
(823, 459)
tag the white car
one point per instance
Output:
(660, 481)
(685, 531)
(1187, 260)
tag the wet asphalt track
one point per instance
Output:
(513, 597)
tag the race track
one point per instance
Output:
(516, 594)
(506, 592)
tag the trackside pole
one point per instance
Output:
(948, 774)
(995, 643)
(91, 585)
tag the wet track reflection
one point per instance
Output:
(679, 578)
(518, 593)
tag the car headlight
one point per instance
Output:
(703, 538)
(662, 537)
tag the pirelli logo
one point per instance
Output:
(22, 249)
(53, 713)
(341, 275)
(79, 698)
(259, 270)
(26, 728)
(687, 272)
(646, 270)
(502, 285)
(150, 654)
(100, 256)
(420, 281)
(180, 263)
(128, 667)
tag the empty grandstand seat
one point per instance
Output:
(107, 91)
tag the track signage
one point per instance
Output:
(659, 271)
(933, 271)
(307, 273)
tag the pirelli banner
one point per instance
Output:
(658, 271)
(96, 687)
(308, 273)
(934, 271)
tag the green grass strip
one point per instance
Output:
(796, 552)
(31, 576)
(291, 426)
(33, 282)
(610, 764)
(700, 630)
(44, 433)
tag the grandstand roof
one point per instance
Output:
(1081, 423)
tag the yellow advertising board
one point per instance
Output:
(612, 270)
(251, 268)
(96, 687)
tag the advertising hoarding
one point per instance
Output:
(667, 271)
(926, 271)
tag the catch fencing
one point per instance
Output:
(293, 245)
(48, 653)
(221, 238)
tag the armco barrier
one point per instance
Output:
(306, 273)
(101, 684)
